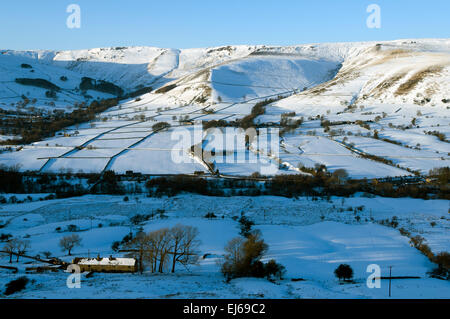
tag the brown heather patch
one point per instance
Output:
(340, 78)
(166, 88)
(317, 90)
(431, 90)
(196, 80)
(398, 52)
(386, 84)
(406, 87)
(389, 55)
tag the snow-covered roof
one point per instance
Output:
(107, 261)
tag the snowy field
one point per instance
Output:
(310, 238)
(310, 150)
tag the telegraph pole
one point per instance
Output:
(390, 278)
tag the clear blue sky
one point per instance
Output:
(199, 23)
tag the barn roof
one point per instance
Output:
(107, 261)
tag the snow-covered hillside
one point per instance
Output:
(132, 67)
(386, 99)
(398, 72)
(19, 66)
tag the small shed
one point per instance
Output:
(110, 264)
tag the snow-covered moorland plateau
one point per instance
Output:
(358, 132)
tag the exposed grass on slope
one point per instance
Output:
(384, 85)
(418, 77)
(166, 88)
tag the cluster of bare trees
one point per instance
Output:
(163, 249)
(243, 259)
(17, 247)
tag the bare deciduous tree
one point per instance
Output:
(234, 251)
(10, 248)
(340, 175)
(139, 247)
(160, 243)
(69, 242)
(184, 244)
(243, 257)
(165, 247)
(16, 247)
(22, 247)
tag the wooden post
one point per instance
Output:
(390, 278)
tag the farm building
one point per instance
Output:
(110, 264)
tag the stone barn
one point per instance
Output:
(110, 264)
